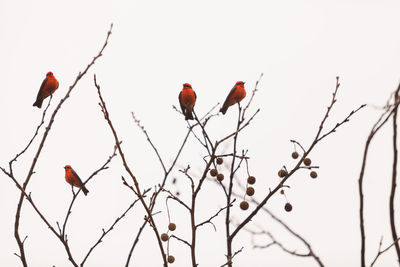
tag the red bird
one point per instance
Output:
(187, 99)
(73, 179)
(235, 96)
(48, 87)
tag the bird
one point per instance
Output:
(187, 99)
(235, 96)
(73, 179)
(48, 87)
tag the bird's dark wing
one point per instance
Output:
(180, 103)
(77, 176)
(41, 88)
(229, 96)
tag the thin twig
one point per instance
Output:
(380, 252)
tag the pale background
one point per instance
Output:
(300, 46)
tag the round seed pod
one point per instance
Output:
(313, 174)
(172, 226)
(295, 155)
(171, 259)
(164, 237)
(213, 172)
(282, 191)
(288, 207)
(250, 191)
(307, 161)
(281, 173)
(244, 205)
(220, 161)
(251, 180)
(220, 177)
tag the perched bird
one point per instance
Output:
(48, 87)
(187, 99)
(235, 96)
(73, 179)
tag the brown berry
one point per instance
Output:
(220, 161)
(171, 227)
(220, 177)
(313, 174)
(295, 155)
(244, 205)
(288, 207)
(250, 191)
(164, 237)
(282, 191)
(307, 161)
(282, 173)
(171, 259)
(251, 180)
(213, 172)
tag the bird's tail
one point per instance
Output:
(224, 109)
(38, 103)
(84, 190)
(189, 115)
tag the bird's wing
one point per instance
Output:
(229, 96)
(77, 176)
(41, 87)
(180, 103)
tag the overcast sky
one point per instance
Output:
(155, 47)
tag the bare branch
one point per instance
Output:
(215, 215)
(128, 170)
(109, 229)
(380, 252)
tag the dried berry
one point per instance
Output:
(220, 161)
(213, 172)
(307, 161)
(244, 205)
(164, 237)
(288, 207)
(282, 173)
(220, 177)
(171, 259)
(250, 191)
(172, 227)
(313, 174)
(251, 180)
(295, 155)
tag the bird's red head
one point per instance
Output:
(49, 74)
(239, 83)
(186, 85)
(67, 167)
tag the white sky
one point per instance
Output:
(300, 46)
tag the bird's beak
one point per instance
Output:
(64, 167)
